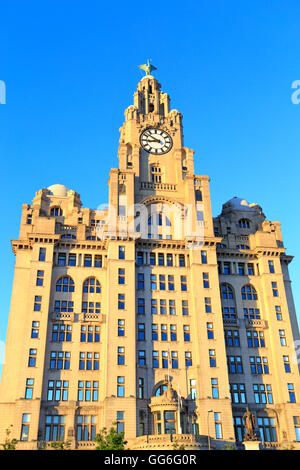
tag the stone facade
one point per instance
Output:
(111, 308)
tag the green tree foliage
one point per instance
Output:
(110, 440)
(9, 444)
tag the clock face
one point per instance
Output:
(156, 141)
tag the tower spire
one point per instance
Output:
(147, 67)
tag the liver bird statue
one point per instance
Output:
(147, 68)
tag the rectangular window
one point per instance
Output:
(141, 306)
(60, 360)
(241, 269)
(121, 356)
(29, 389)
(188, 359)
(120, 422)
(61, 332)
(161, 259)
(62, 258)
(255, 339)
(32, 357)
(154, 332)
(214, 388)
(292, 395)
(173, 333)
(238, 393)
(163, 308)
(210, 331)
(282, 337)
(205, 279)
(186, 333)
(25, 427)
(88, 390)
(87, 262)
(121, 301)
(153, 284)
(169, 259)
(296, 421)
(232, 338)
(267, 429)
(89, 334)
(121, 327)
(162, 282)
(141, 358)
(121, 252)
(72, 259)
(193, 389)
(182, 261)
(170, 282)
(259, 365)
(155, 361)
(172, 309)
(163, 333)
(121, 386)
(152, 259)
(35, 329)
(226, 268)
(140, 281)
(37, 303)
(250, 269)
(183, 283)
(85, 427)
(174, 359)
(140, 258)
(263, 393)
(39, 278)
(153, 306)
(121, 276)
(207, 304)
(55, 428)
(275, 289)
(185, 307)
(141, 387)
(42, 254)
(98, 261)
(87, 307)
(58, 390)
(286, 363)
(278, 312)
(141, 332)
(235, 365)
(212, 358)
(271, 267)
(218, 425)
(204, 257)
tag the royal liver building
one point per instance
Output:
(177, 327)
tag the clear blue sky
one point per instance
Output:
(70, 70)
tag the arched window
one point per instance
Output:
(244, 223)
(160, 389)
(156, 174)
(65, 284)
(56, 212)
(92, 286)
(249, 293)
(226, 291)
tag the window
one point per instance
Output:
(42, 254)
(29, 219)
(57, 390)
(120, 422)
(182, 261)
(37, 303)
(155, 363)
(65, 284)
(174, 359)
(72, 259)
(172, 309)
(56, 212)
(286, 363)
(250, 267)
(141, 387)
(169, 419)
(193, 389)
(259, 365)
(55, 428)
(121, 278)
(61, 260)
(205, 279)
(207, 304)
(238, 393)
(91, 286)
(296, 421)
(185, 307)
(186, 333)
(154, 332)
(121, 252)
(244, 223)
(292, 395)
(232, 338)
(267, 429)
(214, 388)
(85, 427)
(188, 358)
(282, 337)
(141, 306)
(173, 333)
(91, 307)
(163, 309)
(25, 427)
(183, 282)
(153, 284)
(88, 390)
(218, 425)
(153, 306)
(88, 361)
(121, 327)
(226, 268)
(210, 330)
(141, 358)
(251, 313)
(120, 386)
(89, 334)
(140, 282)
(255, 339)
(61, 332)
(32, 357)
(229, 312)
(271, 267)
(141, 332)
(39, 278)
(162, 282)
(212, 358)
(140, 258)
(278, 312)
(35, 329)
(121, 356)
(204, 257)
(241, 269)
(29, 389)
(235, 365)
(169, 259)
(60, 360)
(163, 333)
(275, 289)
(226, 291)
(239, 429)
(249, 293)
(170, 282)
(121, 301)
(161, 259)
(165, 359)
(152, 259)
(263, 393)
